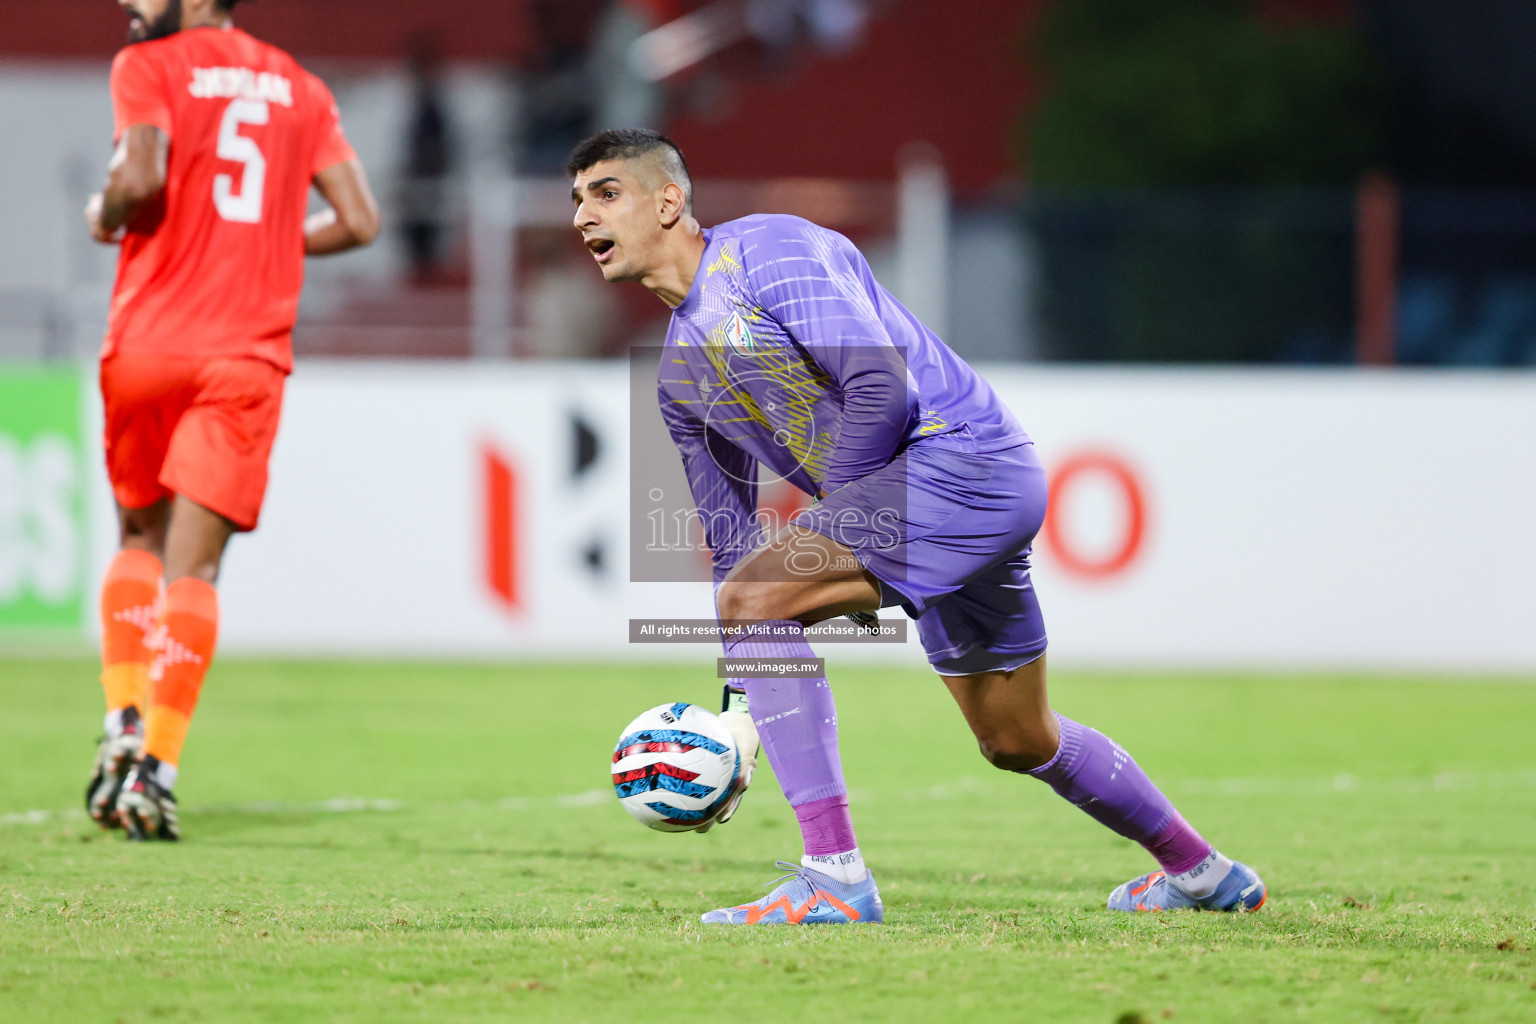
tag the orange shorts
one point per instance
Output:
(199, 428)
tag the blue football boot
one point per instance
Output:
(1241, 891)
(807, 897)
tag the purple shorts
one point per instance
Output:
(947, 534)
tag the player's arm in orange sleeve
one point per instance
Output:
(141, 120)
(353, 217)
(134, 177)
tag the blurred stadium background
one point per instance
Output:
(1259, 275)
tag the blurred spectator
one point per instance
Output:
(835, 26)
(625, 98)
(428, 163)
(571, 312)
(560, 99)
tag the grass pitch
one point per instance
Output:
(377, 842)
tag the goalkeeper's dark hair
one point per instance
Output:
(631, 144)
(225, 5)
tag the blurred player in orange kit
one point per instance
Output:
(218, 139)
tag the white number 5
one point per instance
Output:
(244, 206)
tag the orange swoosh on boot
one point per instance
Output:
(794, 914)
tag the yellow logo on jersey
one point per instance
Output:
(934, 423)
(726, 261)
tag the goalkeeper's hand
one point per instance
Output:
(868, 621)
(740, 724)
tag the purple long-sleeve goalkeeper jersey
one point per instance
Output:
(787, 352)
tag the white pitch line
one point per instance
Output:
(968, 787)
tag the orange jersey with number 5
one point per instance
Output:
(212, 268)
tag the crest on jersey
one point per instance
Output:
(737, 335)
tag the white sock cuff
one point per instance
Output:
(1202, 879)
(165, 775)
(847, 867)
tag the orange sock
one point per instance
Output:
(191, 622)
(130, 597)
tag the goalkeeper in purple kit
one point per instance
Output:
(783, 351)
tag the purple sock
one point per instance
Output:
(1093, 772)
(797, 723)
(826, 826)
(1178, 847)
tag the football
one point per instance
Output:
(675, 767)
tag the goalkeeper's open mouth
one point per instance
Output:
(601, 248)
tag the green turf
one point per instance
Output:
(475, 871)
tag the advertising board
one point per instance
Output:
(1198, 518)
(43, 543)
